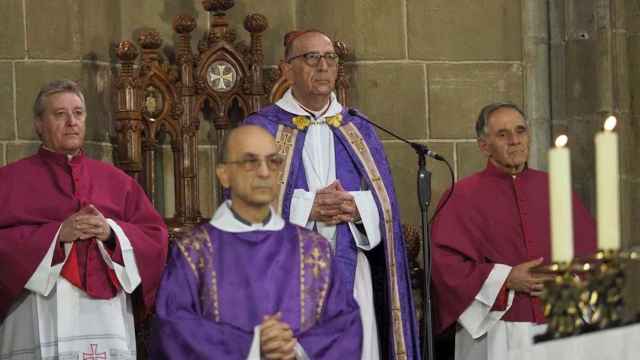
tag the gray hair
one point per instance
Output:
(55, 87)
(483, 118)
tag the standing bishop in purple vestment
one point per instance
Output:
(336, 180)
(77, 237)
(488, 239)
(248, 284)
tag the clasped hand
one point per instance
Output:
(85, 224)
(333, 205)
(276, 338)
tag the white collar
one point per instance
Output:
(224, 220)
(289, 104)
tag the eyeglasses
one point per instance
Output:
(252, 163)
(313, 58)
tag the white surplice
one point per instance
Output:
(483, 335)
(319, 160)
(56, 320)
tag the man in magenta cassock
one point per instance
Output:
(77, 238)
(336, 180)
(248, 284)
(488, 237)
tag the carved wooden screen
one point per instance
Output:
(155, 96)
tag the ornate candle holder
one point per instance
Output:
(563, 297)
(585, 295)
(605, 306)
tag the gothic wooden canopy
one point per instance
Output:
(156, 97)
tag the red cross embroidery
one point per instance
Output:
(94, 355)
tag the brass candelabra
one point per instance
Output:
(586, 294)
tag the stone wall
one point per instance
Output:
(424, 69)
(594, 56)
(44, 40)
(630, 168)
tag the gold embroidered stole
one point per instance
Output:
(360, 148)
(197, 249)
(285, 143)
(315, 269)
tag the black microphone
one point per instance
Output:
(418, 147)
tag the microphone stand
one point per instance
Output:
(424, 197)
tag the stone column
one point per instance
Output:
(537, 104)
(631, 136)
(614, 97)
(573, 87)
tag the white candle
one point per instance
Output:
(607, 183)
(560, 202)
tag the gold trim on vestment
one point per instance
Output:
(189, 242)
(321, 259)
(302, 291)
(358, 144)
(285, 143)
(318, 267)
(198, 243)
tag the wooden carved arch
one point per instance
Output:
(155, 95)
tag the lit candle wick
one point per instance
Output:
(610, 123)
(562, 140)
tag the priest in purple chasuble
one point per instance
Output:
(336, 180)
(248, 284)
(487, 238)
(77, 238)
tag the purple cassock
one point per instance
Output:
(219, 285)
(361, 164)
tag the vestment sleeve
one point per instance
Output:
(370, 220)
(127, 270)
(459, 269)
(482, 314)
(22, 248)
(46, 274)
(147, 234)
(338, 332)
(180, 331)
(301, 205)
